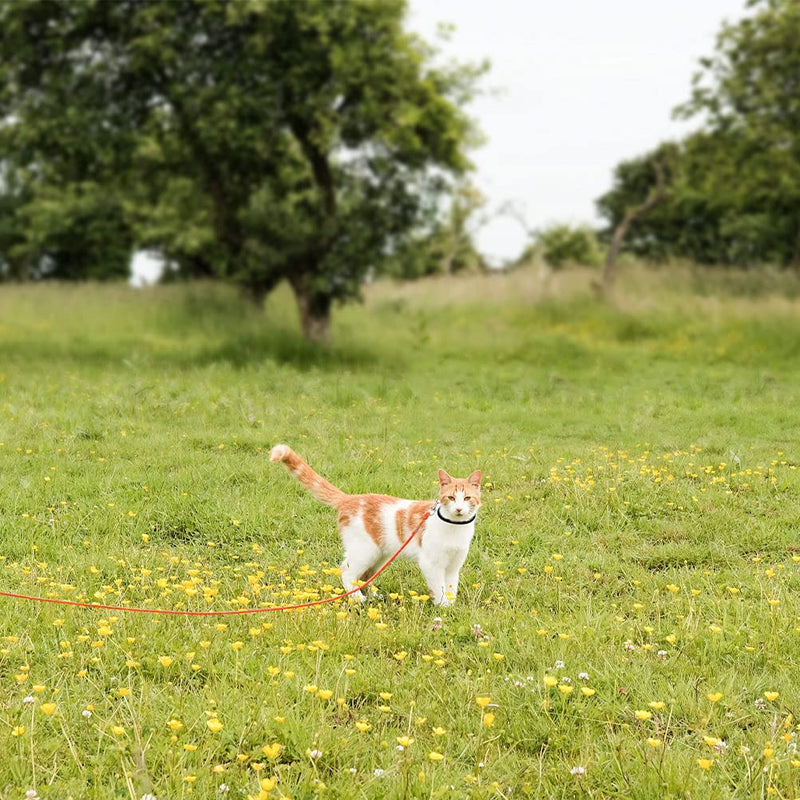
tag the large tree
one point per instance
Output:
(251, 140)
(749, 93)
(673, 202)
(733, 190)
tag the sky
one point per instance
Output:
(576, 86)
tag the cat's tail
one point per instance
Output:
(323, 490)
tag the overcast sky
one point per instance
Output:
(582, 85)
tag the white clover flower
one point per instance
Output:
(31, 793)
(28, 700)
(223, 787)
(86, 713)
(315, 754)
(578, 772)
(662, 654)
(377, 772)
(583, 676)
(558, 665)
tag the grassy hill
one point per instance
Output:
(638, 547)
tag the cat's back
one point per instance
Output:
(387, 520)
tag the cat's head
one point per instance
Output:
(460, 498)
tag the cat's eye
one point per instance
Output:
(450, 497)
(468, 498)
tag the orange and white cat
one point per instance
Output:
(373, 526)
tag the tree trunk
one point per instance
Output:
(315, 313)
(610, 266)
(654, 196)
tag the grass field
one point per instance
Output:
(629, 620)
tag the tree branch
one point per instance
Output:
(654, 196)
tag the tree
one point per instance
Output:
(655, 194)
(299, 141)
(564, 245)
(447, 244)
(13, 196)
(732, 191)
(715, 207)
(634, 208)
(749, 91)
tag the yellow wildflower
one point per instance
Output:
(272, 750)
(653, 742)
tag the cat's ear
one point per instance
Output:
(475, 478)
(444, 478)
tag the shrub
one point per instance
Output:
(563, 245)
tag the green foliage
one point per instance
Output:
(448, 245)
(677, 225)
(13, 196)
(252, 141)
(564, 245)
(75, 233)
(733, 192)
(641, 480)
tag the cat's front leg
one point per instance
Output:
(451, 585)
(451, 573)
(434, 577)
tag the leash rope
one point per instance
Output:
(229, 612)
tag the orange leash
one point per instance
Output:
(295, 607)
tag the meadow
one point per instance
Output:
(628, 623)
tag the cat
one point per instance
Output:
(373, 526)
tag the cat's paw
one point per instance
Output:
(279, 452)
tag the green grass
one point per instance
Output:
(640, 524)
